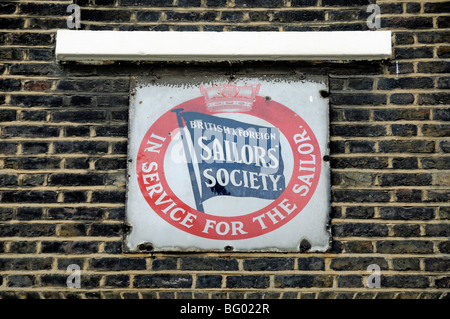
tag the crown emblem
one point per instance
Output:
(230, 97)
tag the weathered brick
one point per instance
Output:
(406, 146)
(72, 230)
(209, 281)
(360, 229)
(156, 3)
(105, 230)
(358, 247)
(401, 68)
(437, 230)
(405, 83)
(433, 67)
(191, 16)
(10, 84)
(60, 280)
(33, 115)
(405, 163)
(311, 263)
(116, 130)
(405, 247)
(436, 36)
(403, 37)
(350, 281)
(443, 52)
(358, 196)
(28, 196)
(344, 3)
(405, 281)
(401, 98)
(162, 281)
(247, 281)
(148, 16)
(438, 130)
(269, 264)
(107, 15)
(404, 264)
(35, 147)
(77, 131)
(199, 263)
(27, 263)
(352, 178)
(69, 247)
(261, 3)
(361, 146)
(7, 8)
(36, 100)
(437, 264)
(6, 213)
(7, 115)
(119, 281)
(21, 281)
(119, 264)
(303, 281)
(164, 264)
(8, 148)
(30, 131)
(404, 129)
(23, 247)
(406, 230)
(77, 163)
(441, 7)
(77, 213)
(436, 163)
(443, 22)
(442, 282)
(414, 22)
(401, 114)
(413, 53)
(405, 179)
(42, 8)
(110, 164)
(359, 162)
(29, 213)
(358, 99)
(441, 114)
(444, 212)
(84, 147)
(407, 213)
(108, 196)
(76, 179)
(83, 116)
(443, 83)
(358, 212)
(298, 16)
(437, 196)
(68, 123)
(358, 130)
(357, 263)
(74, 197)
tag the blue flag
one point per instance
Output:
(235, 158)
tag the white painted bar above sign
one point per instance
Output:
(85, 45)
(216, 164)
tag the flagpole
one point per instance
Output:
(198, 200)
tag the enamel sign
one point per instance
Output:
(217, 165)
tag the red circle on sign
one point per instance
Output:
(299, 188)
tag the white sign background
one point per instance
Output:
(153, 99)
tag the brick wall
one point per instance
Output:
(63, 141)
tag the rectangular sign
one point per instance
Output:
(216, 165)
